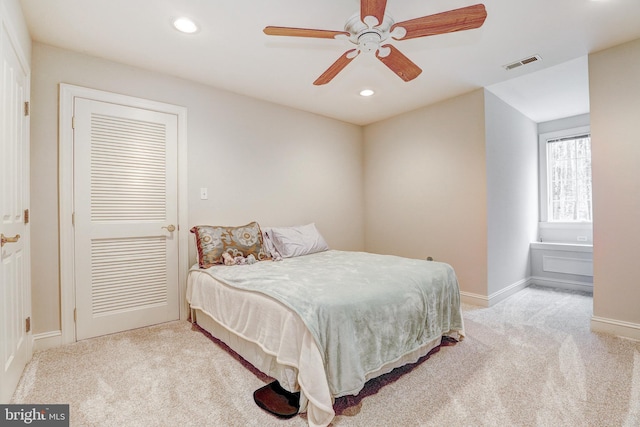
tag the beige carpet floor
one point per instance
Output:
(530, 360)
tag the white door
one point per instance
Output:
(15, 293)
(125, 217)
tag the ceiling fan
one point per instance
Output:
(372, 26)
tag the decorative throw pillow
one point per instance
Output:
(298, 240)
(213, 241)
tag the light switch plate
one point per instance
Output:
(203, 194)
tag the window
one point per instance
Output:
(565, 170)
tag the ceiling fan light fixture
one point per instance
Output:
(185, 25)
(367, 92)
(369, 42)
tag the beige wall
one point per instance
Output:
(425, 187)
(12, 16)
(259, 161)
(614, 85)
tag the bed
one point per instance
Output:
(319, 321)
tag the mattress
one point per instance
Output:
(270, 333)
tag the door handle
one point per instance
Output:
(170, 228)
(13, 239)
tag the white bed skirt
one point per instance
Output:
(250, 351)
(287, 375)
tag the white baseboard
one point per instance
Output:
(47, 340)
(496, 297)
(474, 299)
(562, 284)
(616, 327)
(505, 293)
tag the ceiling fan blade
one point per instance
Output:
(399, 64)
(302, 32)
(373, 8)
(336, 67)
(465, 18)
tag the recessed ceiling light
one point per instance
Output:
(185, 25)
(366, 92)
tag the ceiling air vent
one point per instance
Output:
(522, 62)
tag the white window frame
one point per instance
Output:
(542, 163)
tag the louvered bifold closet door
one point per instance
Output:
(125, 202)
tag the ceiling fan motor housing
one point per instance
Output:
(367, 35)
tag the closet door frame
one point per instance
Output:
(67, 269)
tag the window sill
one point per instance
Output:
(557, 246)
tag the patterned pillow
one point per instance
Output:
(213, 241)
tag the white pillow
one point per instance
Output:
(298, 240)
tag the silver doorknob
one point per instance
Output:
(170, 228)
(4, 239)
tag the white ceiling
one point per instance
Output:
(551, 93)
(230, 51)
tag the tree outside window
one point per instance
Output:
(569, 179)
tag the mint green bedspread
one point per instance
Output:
(364, 310)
